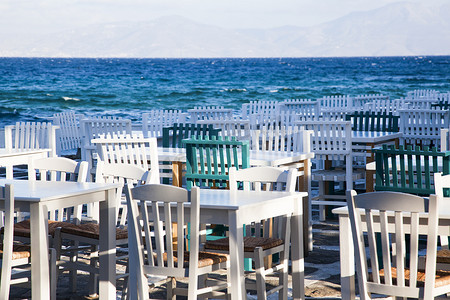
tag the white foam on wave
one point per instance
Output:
(70, 99)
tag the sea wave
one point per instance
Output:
(70, 99)
(234, 90)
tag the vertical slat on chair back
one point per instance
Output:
(384, 214)
(161, 206)
(409, 170)
(208, 160)
(7, 237)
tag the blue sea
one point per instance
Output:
(33, 89)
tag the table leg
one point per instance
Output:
(236, 257)
(369, 174)
(304, 185)
(177, 173)
(40, 275)
(107, 247)
(347, 259)
(297, 254)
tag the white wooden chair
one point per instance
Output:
(266, 108)
(442, 182)
(422, 94)
(69, 134)
(17, 255)
(423, 126)
(394, 216)
(360, 101)
(306, 109)
(208, 113)
(230, 127)
(162, 205)
(154, 121)
(97, 127)
(31, 135)
(331, 143)
(334, 104)
(129, 149)
(267, 237)
(385, 105)
(88, 233)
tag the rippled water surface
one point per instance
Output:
(36, 88)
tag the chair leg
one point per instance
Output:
(93, 276)
(322, 214)
(260, 277)
(171, 284)
(53, 274)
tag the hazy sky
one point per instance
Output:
(47, 16)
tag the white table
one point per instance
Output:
(236, 208)
(347, 253)
(38, 197)
(13, 157)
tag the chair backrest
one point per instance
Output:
(394, 263)
(7, 237)
(422, 94)
(173, 135)
(230, 127)
(423, 126)
(336, 103)
(371, 121)
(69, 136)
(329, 140)
(262, 109)
(209, 113)
(59, 169)
(442, 190)
(158, 207)
(281, 138)
(265, 179)
(306, 109)
(409, 170)
(97, 127)
(208, 160)
(127, 149)
(122, 173)
(385, 105)
(154, 121)
(31, 135)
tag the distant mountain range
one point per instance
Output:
(398, 29)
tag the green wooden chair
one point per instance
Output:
(409, 170)
(208, 160)
(370, 121)
(173, 135)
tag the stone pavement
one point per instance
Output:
(321, 269)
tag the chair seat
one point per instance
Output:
(250, 243)
(19, 251)
(335, 175)
(22, 228)
(443, 256)
(442, 277)
(91, 230)
(204, 259)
